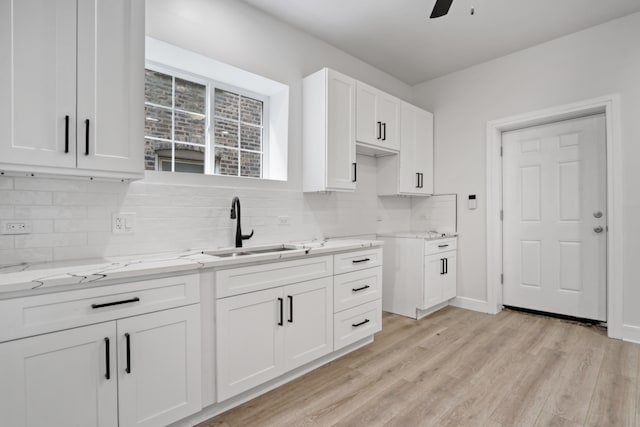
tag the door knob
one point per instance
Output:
(597, 214)
(598, 229)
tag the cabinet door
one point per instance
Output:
(416, 153)
(159, 367)
(449, 278)
(309, 321)
(433, 281)
(60, 379)
(388, 109)
(38, 82)
(367, 129)
(341, 139)
(249, 340)
(110, 123)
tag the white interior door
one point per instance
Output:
(554, 229)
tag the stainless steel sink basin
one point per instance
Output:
(228, 253)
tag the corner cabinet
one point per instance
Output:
(71, 87)
(377, 118)
(328, 132)
(411, 172)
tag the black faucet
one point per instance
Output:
(235, 213)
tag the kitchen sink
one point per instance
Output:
(236, 252)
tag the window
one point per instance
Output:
(184, 134)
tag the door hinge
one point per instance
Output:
(501, 279)
(501, 215)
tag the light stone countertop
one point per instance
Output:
(426, 235)
(30, 278)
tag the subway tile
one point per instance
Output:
(50, 184)
(50, 212)
(90, 199)
(6, 183)
(50, 240)
(78, 225)
(6, 242)
(16, 256)
(8, 197)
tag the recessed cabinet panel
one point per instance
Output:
(37, 82)
(377, 118)
(110, 57)
(60, 379)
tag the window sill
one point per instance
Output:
(180, 178)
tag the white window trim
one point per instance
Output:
(162, 54)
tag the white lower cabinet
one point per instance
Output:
(60, 379)
(261, 335)
(143, 370)
(440, 279)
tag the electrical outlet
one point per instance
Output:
(284, 220)
(15, 227)
(123, 223)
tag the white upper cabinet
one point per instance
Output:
(328, 132)
(377, 118)
(71, 87)
(411, 172)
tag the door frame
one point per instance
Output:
(610, 106)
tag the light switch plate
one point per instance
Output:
(123, 222)
(16, 227)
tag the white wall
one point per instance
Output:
(72, 217)
(598, 61)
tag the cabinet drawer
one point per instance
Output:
(22, 317)
(359, 260)
(236, 281)
(356, 323)
(436, 246)
(357, 287)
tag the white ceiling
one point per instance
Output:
(396, 35)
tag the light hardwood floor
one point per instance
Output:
(462, 368)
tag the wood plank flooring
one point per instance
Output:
(462, 368)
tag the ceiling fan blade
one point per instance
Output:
(441, 8)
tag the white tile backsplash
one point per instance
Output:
(72, 218)
(437, 213)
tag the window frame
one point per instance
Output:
(211, 85)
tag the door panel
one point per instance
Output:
(58, 379)
(367, 129)
(37, 81)
(341, 139)
(163, 384)
(110, 77)
(249, 341)
(554, 181)
(309, 321)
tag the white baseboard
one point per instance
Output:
(631, 333)
(472, 304)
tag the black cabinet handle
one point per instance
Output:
(356, 261)
(66, 134)
(355, 325)
(418, 177)
(360, 289)
(128, 339)
(107, 373)
(421, 179)
(443, 246)
(281, 302)
(290, 309)
(86, 137)
(355, 172)
(109, 304)
(441, 265)
(384, 131)
(379, 130)
(446, 266)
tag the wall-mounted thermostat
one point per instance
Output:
(473, 203)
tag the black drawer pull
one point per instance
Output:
(355, 325)
(290, 309)
(281, 302)
(86, 136)
(109, 304)
(443, 246)
(356, 261)
(384, 131)
(66, 134)
(107, 373)
(128, 368)
(379, 130)
(360, 289)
